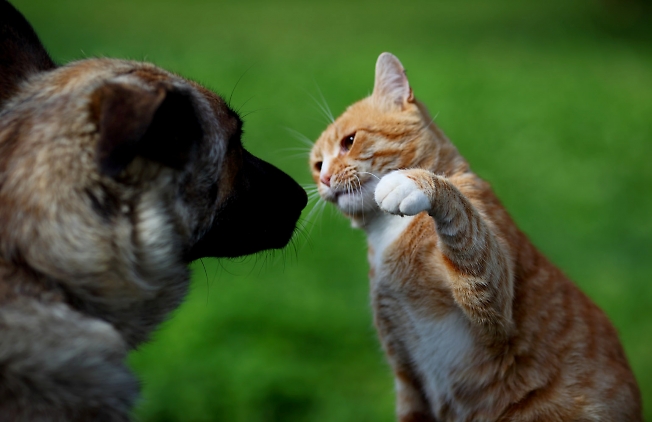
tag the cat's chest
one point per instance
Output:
(414, 310)
(381, 236)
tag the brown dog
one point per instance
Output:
(114, 175)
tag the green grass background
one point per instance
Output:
(549, 100)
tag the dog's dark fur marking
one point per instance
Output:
(21, 53)
(114, 175)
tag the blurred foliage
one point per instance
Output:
(549, 100)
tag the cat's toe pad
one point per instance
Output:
(398, 194)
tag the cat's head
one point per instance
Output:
(386, 131)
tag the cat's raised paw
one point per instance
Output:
(398, 194)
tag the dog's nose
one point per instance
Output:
(326, 179)
(260, 214)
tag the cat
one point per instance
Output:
(476, 323)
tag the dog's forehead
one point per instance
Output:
(54, 114)
(79, 79)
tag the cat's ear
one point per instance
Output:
(391, 86)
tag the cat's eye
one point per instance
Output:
(318, 165)
(347, 142)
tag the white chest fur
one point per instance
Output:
(441, 355)
(381, 233)
(439, 347)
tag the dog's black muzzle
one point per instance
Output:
(261, 213)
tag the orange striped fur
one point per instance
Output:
(477, 324)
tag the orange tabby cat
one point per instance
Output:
(477, 324)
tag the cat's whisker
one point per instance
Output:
(314, 215)
(361, 197)
(313, 203)
(371, 174)
(311, 190)
(323, 112)
(312, 196)
(320, 204)
(427, 125)
(302, 149)
(323, 108)
(303, 233)
(350, 191)
(300, 137)
(302, 155)
(325, 103)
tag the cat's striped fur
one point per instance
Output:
(477, 324)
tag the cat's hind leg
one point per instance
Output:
(411, 402)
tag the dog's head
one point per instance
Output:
(119, 166)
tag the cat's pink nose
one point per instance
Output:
(325, 179)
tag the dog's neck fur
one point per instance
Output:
(22, 281)
(123, 264)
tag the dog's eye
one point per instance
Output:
(347, 142)
(318, 165)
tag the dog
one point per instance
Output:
(114, 176)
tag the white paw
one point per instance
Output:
(398, 194)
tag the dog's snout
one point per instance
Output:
(277, 186)
(261, 214)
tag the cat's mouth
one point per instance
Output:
(336, 194)
(354, 199)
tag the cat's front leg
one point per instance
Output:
(477, 265)
(403, 192)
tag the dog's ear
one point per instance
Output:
(160, 125)
(21, 52)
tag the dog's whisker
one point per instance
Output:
(215, 272)
(236, 85)
(208, 287)
(323, 108)
(254, 111)
(245, 103)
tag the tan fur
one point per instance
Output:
(114, 176)
(52, 213)
(477, 324)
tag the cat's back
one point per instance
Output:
(565, 359)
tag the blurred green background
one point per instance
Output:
(550, 100)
